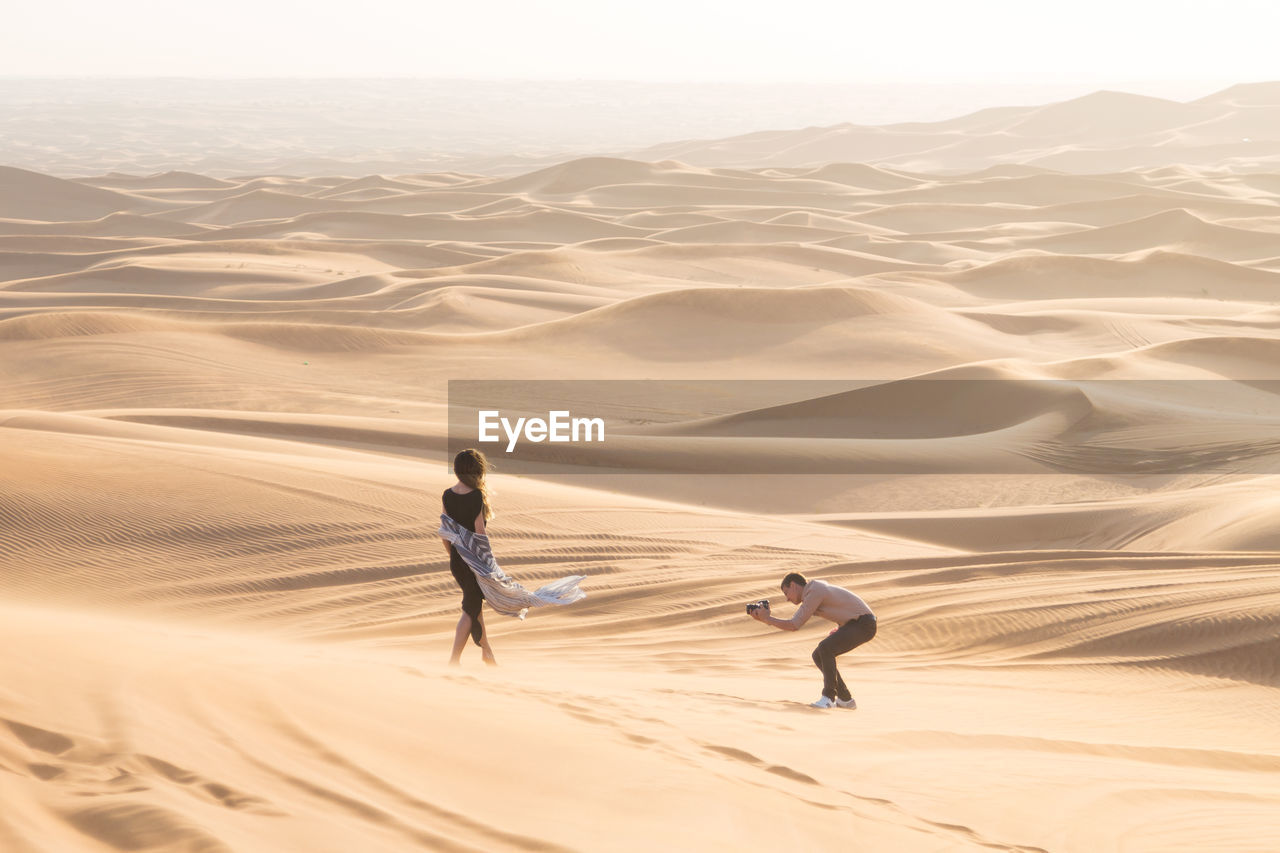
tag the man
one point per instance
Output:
(857, 625)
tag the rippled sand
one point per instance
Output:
(223, 413)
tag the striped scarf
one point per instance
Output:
(504, 594)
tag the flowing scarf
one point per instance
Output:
(504, 594)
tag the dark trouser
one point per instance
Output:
(847, 637)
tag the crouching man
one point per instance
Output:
(857, 625)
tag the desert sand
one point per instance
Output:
(224, 425)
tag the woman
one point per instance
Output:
(466, 502)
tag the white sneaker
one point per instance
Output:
(846, 703)
(823, 702)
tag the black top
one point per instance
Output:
(464, 508)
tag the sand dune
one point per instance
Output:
(172, 179)
(33, 196)
(1029, 414)
(111, 225)
(1093, 133)
(747, 233)
(1177, 230)
(859, 175)
(1139, 274)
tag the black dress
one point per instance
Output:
(464, 509)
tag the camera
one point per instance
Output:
(764, 602)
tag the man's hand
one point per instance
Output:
(763, 615)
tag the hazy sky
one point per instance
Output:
(1110, 42)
